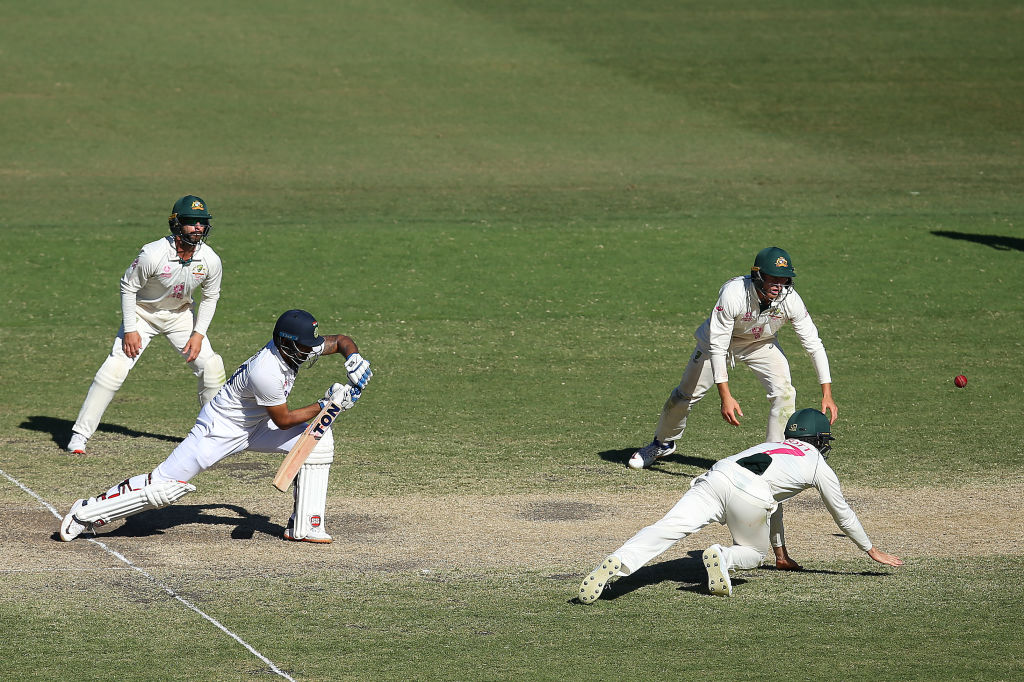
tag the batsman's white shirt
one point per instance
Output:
(737, 324)
(157, 280)
(262, 381)
(796, 466)
(237, 419)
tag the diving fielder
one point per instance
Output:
(156, 298)
(744, 492)
(250, 412)
(743, 326)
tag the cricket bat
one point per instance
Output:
(296, 457)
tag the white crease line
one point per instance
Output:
(187, 604)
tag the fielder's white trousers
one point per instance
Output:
(712, 497)
(177, 327)
(210, 441)
(768, 363)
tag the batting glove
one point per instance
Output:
(358, 371)
(342, 395)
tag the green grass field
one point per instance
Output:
(520, 211)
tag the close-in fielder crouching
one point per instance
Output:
(744, 492)
(249, 413)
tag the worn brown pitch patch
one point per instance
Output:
(559, 534)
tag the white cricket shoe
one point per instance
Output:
(718, 573)
(318, 535)
(77, 444)
(70, 527)
(647, 455)
(593, 585)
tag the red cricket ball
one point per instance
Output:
(960, 381)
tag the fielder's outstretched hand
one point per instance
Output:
(828, 408)
(883, 558)
(131, 344)
(731, 411)
(358, 369)
(784, 562)
(192, 347)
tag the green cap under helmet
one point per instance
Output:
(774, 261)
(811, 426)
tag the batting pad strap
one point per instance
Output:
(128, 502)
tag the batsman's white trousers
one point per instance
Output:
(176, 326)
(210, 441)
(768, 363)
(712, 497)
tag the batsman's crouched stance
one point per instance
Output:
(249, 413)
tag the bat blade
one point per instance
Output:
(296, 457)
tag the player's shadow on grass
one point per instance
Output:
(688, 571)
(995, 241)
(60, 430)
(622, 457)
(690, 574)
(157, 521)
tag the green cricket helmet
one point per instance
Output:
(190, 210)
(810, 426)
(777, 263)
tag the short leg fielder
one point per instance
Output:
(711, 498)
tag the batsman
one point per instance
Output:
(250, 412)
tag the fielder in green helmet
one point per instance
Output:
(156, 300)
(745, 491)
(744, 326)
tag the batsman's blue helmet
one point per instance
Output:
(296, 337)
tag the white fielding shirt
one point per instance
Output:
(796, 466)
(157, 280)
(737, 323)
